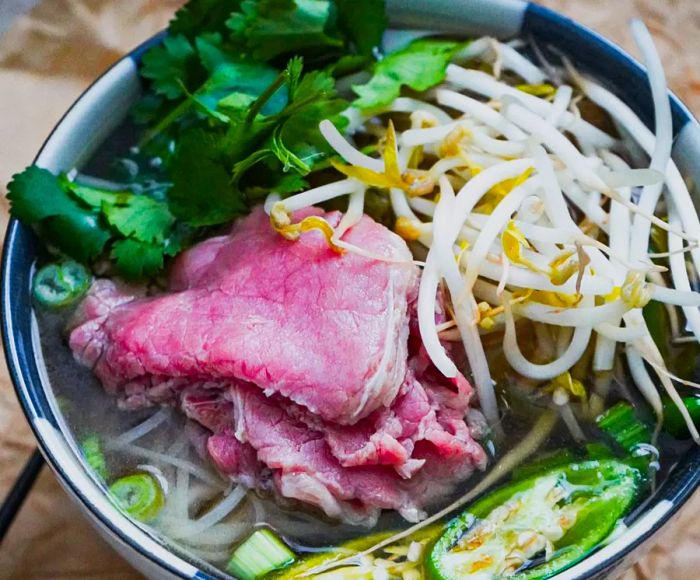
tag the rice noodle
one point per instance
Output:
(183, 464)
(140, 430)
(213, 516)
(218, 535)
(211, 555)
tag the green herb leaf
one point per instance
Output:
(363, 22)
(202, 192)
(269, 28)
(419, 66)
(143, 218)
(299, 143)
(36, 194)
(233, 80)
(140, 216)
(201, 16)
(136, 259)
(170, 66)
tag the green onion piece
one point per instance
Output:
(260, 554)
(674, 423)
(94, 457)
(139, 495)
(621, 423)
(61, 284)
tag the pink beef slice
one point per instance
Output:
(297, 365)
(299, 462)
(402, 457)
(325, 330)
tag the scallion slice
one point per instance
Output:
(260, 554)
(139, 495)
(621, 423)
(94, 457)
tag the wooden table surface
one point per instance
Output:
(47, 58)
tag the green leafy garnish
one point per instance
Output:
(202, 193)
(171, 67)
(268, 28)
(419, 66)
(201, 16)
(233, 98)
(82, 221)
(363, 22)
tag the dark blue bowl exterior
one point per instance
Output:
(554, 34)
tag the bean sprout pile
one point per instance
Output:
(529, 212)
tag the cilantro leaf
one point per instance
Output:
(140, 216)
(211, 50)
(136, 259)
(143, 218)
(236, 80)
(268, 28)
(420, 65)
(36, 194)
(363, 22)
(202, 192)
(170, 66)
(201, 16)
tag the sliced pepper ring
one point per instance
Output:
(564, 513)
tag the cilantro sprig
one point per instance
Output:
(234, 96)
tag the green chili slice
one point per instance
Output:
(533, 529)
(60, 284)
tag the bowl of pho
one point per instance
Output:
(333, 289)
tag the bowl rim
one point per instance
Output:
(687, 472)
